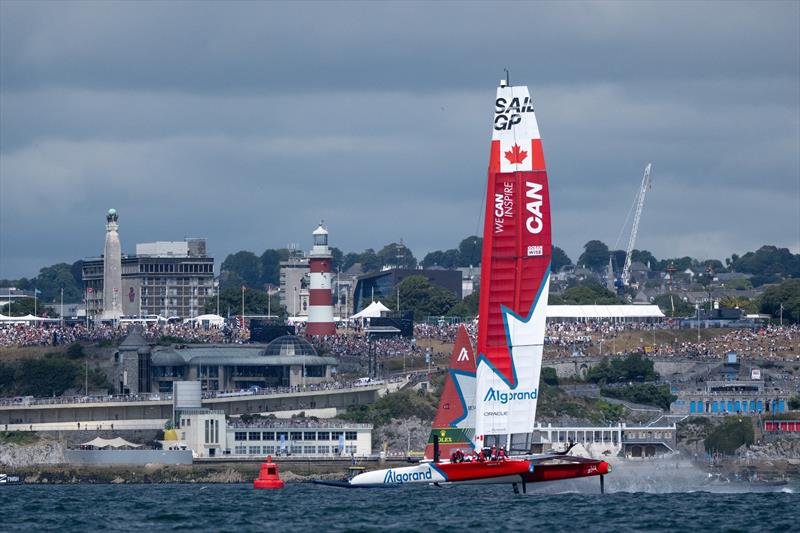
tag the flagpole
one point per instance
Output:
(62, 307)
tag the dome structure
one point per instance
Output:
(170, 434)
(289, 345)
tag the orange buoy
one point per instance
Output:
(268, 477)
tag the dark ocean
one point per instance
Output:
(310, 508)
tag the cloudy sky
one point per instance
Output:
(248, 123)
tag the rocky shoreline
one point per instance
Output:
(61, 474)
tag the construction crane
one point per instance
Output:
(626, 271)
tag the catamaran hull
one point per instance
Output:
(556, 472)
(475, 472)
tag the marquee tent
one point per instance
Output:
(372, 310)
(212, 320)
(118, 442)
(27, 318)
(612, 312)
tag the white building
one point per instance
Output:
(208, 434)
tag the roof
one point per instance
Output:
(604, 311)
(286, 350)
(118, 442)
(134, 339)
(289, 345)
(372, 310)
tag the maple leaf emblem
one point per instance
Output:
(515, 155)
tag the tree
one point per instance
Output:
(647, 394)
(468, 307)
(470, 250)
(350, 259)
(337, 257)
(370, 262)
(397, 254)
(420, 295)
(45, 377)
(730, 435)
(617, 259)
(549, 376)
(794, 401)
(447, 259)
(739, 284)
(559, 260)
(271, 266)
(432, 259)
(595, 255)
(588, 293)
(672, 305)
(6, 379)
(766, 261)
(738, 302)
(633, 367)
(52, 279)
(22, 307)
(246, 265)
(787, 294)
(644, 257)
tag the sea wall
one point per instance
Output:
(128, 457)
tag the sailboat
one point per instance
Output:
(490, 401)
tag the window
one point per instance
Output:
(240, 450)
(323, 435)
(254, 450)
(296, 449)
(297, 435)
(268, 435)
(269, 449)
(350, 435)
(282, 434)
(254, 435)
(350, 449)
(240, 435)
(310, 435)
(323, 450)
(335, 435)
(309, 450)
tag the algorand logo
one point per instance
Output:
(463, 355)
(505, 397)
(405, 477)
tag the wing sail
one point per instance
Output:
(514, 274)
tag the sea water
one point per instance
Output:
(312, 508)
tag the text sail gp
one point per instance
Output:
(515, 271)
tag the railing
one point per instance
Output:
(207, 395)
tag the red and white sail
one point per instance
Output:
(454, 424)
(514, 274)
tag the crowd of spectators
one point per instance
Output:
(54, 335)
(361, 346)
(562, 339)
(590, 338)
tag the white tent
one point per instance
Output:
(23, 319)
(372, 310)
(118, 442)
(613, 312)
(212, 320)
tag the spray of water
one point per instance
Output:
(656, 476)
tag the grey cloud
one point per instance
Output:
(248, 122)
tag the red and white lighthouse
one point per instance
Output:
(320, 295)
